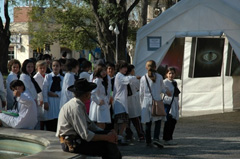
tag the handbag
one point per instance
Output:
(157, 106)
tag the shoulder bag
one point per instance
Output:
(157, 106)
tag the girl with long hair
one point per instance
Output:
(155, 81)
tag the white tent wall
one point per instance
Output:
(196, 18)
(204, 95)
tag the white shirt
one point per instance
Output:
(120, 93)
(27, 111)
(26, 79)
(66, 95)
(10, 98)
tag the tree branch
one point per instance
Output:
(7, 24)
(131, 7)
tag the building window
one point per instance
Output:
(206, 57)
(10, 53)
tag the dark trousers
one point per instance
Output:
(169, 125)
(97, 148)
(138, 126)
(51, 125)
(110, 126)
(156, 131)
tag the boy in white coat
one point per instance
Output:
(26, 109)
(120, 99)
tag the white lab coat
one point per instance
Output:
(2, 91)
(66, 95)
(97, 113)
(10, 98)
(146, 98)
(26, 79)
(39, 79)
(120, 93)
(134, 107)
(174, 111)
(85, 75)
(53, 102)
(27, 111)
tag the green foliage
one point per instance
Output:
(71, 25)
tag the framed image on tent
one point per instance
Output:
(233, 63)
(206, 57)
(173, 58)
(153, 43)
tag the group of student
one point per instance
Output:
(34, 97)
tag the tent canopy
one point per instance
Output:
(194, 18)
(189, 18)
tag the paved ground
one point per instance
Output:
(215, 136)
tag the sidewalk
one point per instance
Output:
(215, 136)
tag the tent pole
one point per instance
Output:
(223, 102)
(182, 81)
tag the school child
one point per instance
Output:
(85, 67)
(69, 79)
(63, 69)
(171, 106)
(111, 76)
(120, 100)
(24, 115)
(2, 93)
(48, 59)
(154, 81)
(26, 76)
(134, 107)
(14, 67)
(100, 108)
(41, 67)
(51, 95)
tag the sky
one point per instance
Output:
(10, 11)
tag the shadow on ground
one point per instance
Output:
(215, 136)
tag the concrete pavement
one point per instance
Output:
(215, 136)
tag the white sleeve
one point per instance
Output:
(94, 94)
(45, 89)
(141, 90)
(2, 89)
(25, 99)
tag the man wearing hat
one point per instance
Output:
(78, 133)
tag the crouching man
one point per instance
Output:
(78, 133)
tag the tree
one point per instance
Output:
(77, 27)
(70, 24)
(112, 12)
(144, 7)
(4, 39)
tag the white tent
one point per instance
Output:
(188, 19)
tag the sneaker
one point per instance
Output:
(170, 142)
(158, 144)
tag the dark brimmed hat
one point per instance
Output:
(82, 86)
